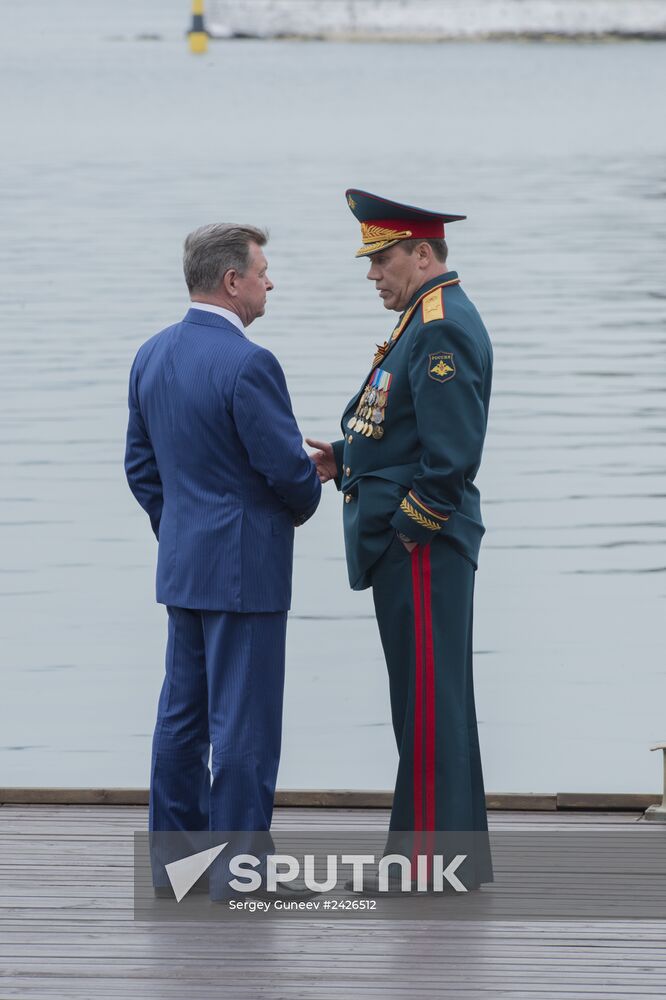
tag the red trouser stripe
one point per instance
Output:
(418, 698)
(429, 697)
(429, 714)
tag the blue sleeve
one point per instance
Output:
(140, 463)
(267, 427)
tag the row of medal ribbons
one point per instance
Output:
(371, 407)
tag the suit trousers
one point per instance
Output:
(222, 692)
(424, 607)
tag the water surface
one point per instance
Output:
(114, 148)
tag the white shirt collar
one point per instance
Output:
(226, 313)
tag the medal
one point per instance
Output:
(371, 407)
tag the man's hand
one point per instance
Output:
(407, 542)
(324, 459)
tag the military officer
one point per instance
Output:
(412, 441)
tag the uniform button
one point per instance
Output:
(350, 439)
(347, 497)
(347, 471)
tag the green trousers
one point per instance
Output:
(424, 605)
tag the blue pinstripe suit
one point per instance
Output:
(214, 456)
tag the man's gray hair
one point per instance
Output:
(210, 251)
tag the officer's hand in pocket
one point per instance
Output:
(407, 542)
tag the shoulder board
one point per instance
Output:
(432, 306)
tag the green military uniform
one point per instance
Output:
(413, 438)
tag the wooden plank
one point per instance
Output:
(590, 800)
(75, 796)
(581, 967)
(521, 802)
(215, 990)
(333, 798)
(337, 798)
(355, 982)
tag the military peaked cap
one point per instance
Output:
(384, 223)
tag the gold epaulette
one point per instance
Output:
(433, 305)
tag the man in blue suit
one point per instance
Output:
(215, 458)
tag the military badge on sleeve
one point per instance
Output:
(441, 367)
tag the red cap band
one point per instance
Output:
(430, 229)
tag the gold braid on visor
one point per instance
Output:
(379, 238)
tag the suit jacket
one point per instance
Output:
(408, 458)
(215, 458)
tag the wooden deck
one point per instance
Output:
(67, 931)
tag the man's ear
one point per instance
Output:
(424, 252)
(229, 281)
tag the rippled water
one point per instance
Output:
(114, 148)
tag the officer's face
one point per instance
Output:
(397, 275)
(253, 286)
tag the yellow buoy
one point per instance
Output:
(198, 35)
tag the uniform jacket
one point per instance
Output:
(418, 476)
(215, 458)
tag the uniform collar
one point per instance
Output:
(445, 276)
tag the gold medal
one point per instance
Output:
(368, 430)
(377, 432)
(351, 424)
(381, 398)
